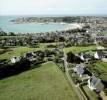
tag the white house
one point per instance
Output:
(99, 55)
(100, 48)
(82, 57)
(15, 59)
(95, 84)
(85, 77)
(85, 57)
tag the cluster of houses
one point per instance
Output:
(81, 70)
(22, 41)
(99, 54)
(93, 82)
(86, 57)
(38, 56)
(31, 56)
(79, 40)
(75, 37)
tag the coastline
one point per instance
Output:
(34, 27)
(69, 26)
(75, 26)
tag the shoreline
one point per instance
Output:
(67, 26)
(72, 26)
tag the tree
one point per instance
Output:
(2, 33)
(12, 34)
(71, 58)
(7, 70)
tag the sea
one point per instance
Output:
(8, 26)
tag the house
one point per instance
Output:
(85, 77)
(99, 55)
(95, 84)
(85, 57)
(15, 59)
(31, 56)
(100, 48)
(79, 69)
(34, 55)
(58, 52)
(82, 56)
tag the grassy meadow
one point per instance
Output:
(78, 49)
(18, 50)
(105, 32)
(91, 94)
(46, 82)
(100, 69)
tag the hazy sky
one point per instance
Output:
(38, 7)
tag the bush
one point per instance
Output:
(51, 46)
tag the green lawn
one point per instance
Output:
(105, 32)
(2, 37)
(102, 68)
(99, 69)
(46, 82)
(17, 51)
(91, 94)
(77, 49)
(1, 49)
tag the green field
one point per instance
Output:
(105, 32)
(4, 37)
(46, 82)
(101, 67)
(18, 51)
(78, 49)
(91, 94)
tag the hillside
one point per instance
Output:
(46, 82)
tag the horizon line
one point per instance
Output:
(55, 15)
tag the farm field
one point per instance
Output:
(78, 49)
(46, 82)
(91, 94)
(105, 32)
(99, 69)
(18, 50)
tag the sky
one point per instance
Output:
(53, 7)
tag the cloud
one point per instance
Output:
(15, 7)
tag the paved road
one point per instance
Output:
(80, 95)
